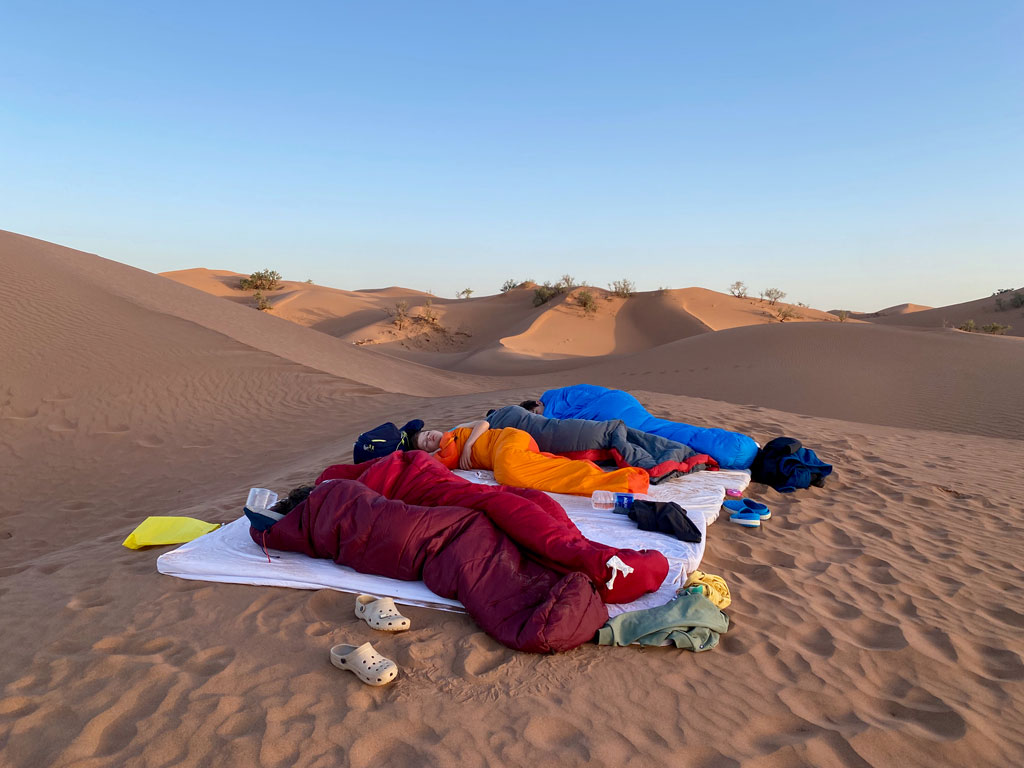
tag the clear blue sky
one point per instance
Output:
(854, 154)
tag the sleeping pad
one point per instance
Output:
(604, 440)
(513, 558)
(516, 460)
(587, 401)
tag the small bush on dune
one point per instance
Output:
(969, 326)
(996, 328)
(465, 293)
(774, 295)
(262, 302)
(843, 315)
(738, 289)
(399, 313)
(428, 314)
(585, 300)
(542, 294)
(1007, 297)
(785, 313)
(264, 280)
(508, 285)
(623, 288)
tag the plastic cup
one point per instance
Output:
(260, 498)
(603, 500)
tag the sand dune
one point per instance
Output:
(942, 380)
(506, 333)
(875, 621)
(897, 309)
(981, 311)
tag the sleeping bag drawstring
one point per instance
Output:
(617, 567)
(265, 552)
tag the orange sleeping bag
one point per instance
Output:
(516, 460)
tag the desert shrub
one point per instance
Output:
(1017, 300)
(262, 302)
(785, 313)
(465, 293)
(400, 313)
(568, 282)
(843, 315)
(309, 281)
(508, 285)
(623, 288)
(774, 295)
(264, 280)
(585, 300)
(544, 293)
(969, 326)
(428, 314)
(738, 289)
(995, 328)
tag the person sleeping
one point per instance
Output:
(512, 454)
(604, 441)
(512, 556)
(731, 450)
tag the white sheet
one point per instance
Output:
(229, 554)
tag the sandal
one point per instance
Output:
(365, 663)
(748, 505)
(381, 614)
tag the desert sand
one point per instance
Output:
(876, 621)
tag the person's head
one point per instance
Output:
(264, 519)
(536, 406)
(295, 497)
(428, 440)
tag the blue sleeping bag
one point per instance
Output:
(588, 401)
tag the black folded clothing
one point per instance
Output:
(664, 517)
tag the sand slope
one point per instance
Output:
(897, 309)
(944, 380)
(981, 311)
(875, 622)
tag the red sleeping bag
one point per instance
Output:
(532, 589)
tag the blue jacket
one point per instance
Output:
(588, 401)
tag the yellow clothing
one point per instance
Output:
(516, 460)
(715, 588)
(159, 531)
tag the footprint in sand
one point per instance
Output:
(114, 429)
(90, 598)
(478, 655)
(63, 424)
(210, 662)
(20, 414)
(872, 635)
(920, 710)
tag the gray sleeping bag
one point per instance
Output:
(603, 441)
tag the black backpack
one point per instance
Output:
(384, 440)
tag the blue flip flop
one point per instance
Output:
(746, 519)
(748, 506)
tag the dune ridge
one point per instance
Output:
(875, 621)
